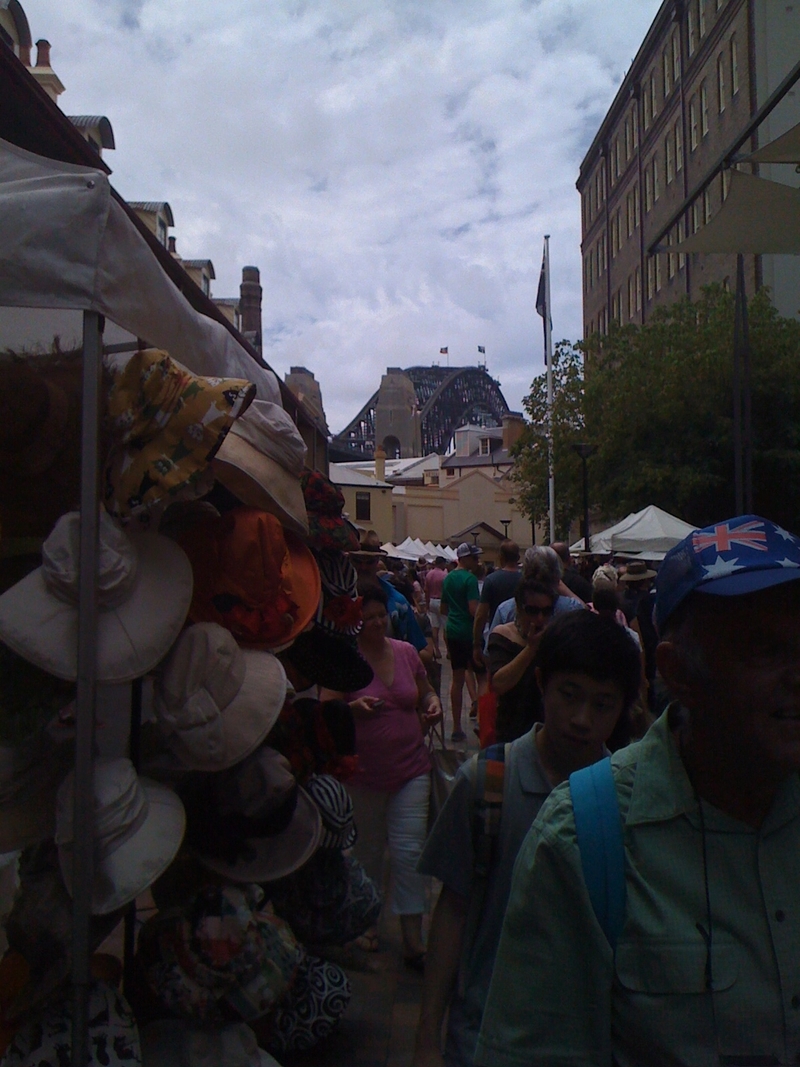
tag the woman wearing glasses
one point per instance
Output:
(510, 658)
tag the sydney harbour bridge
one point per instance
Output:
(417, 410)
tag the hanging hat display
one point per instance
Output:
(215, 702)
(327, 527)
(218, 954)
(252, 577)
(336, 808)
(260, 462)
(138, 829)
(144, 592)
(329, 661)
(166, 425)
(339, 609)
(252, 823)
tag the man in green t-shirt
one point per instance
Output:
(459, 603)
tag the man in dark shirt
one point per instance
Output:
(572, 577)
(498, 586)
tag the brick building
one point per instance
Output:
(700, 74)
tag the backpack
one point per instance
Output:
(598, 826)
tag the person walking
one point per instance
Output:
(460, 597)
(433, 596)
(498, 586)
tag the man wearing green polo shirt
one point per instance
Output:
(459, 603)
(706, 969)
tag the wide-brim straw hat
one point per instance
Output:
(637, 571)
(145, 590)
(134, 843)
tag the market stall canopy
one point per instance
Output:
(648, 533)
(759, 217)
(784, 149)
(66, 243)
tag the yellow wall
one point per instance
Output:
(380, 509)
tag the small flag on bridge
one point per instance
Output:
(442, 351)
(482, 349)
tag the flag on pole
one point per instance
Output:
(442, 351)
(541, 301)
(482, 349)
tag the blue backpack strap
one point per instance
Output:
(598, 825)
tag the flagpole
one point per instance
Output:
(548, 358)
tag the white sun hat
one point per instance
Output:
(215, 702)
(144, 592)
(261, 461)
(138, 829)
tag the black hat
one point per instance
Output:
(329, 661)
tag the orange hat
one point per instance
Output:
(251, 576)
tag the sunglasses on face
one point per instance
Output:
(533, 612)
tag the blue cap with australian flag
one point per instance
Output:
(730, 558)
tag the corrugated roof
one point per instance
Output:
(88, 122)
(153, 206)
(341, 474)
(199, 264)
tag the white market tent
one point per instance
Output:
(649, 533)
(412, 549)
(67, 244)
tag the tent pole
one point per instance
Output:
(747, 392)
(135, 750)
(83, 816)
(737, 386)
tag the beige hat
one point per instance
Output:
(138, 829)
(30, 774)
(261, 461)
(144, 592)
(253, 823)
(215, 701)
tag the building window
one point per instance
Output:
(648, 189)
(734, 65)
(681, 236)
(162, 231)
(206, 284)
(691, 24)
(670, 261)
(629, 213)
(635, 205)
(676, 56)
(678, 146)
(706, 207)
(695, 216)
(363, 509)
(484, 447)
(631, 297)
(615, 306)
(649, 279)
(701, 18)
(703, 108)
(653, 95)
(635, 126)
(646, 109)
(601, 254)
(721, 82)
(694, 136)
(666, 66)
(669, 157)
(638, 283)
(658, 272)
(656, 180)
(451, 472)
(726, 184)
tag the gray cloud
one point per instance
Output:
(390, 165)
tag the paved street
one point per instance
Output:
(378, 1028)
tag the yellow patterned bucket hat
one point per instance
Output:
(166, 424)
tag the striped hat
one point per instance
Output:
(336, 808)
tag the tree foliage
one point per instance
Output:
(657, 401)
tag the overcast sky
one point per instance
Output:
(391, 166)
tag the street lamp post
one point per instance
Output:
(584, 451)
(505, 523)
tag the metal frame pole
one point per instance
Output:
(83, 814)
(548, 355)
(738, 479)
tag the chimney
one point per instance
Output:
(42, 53)
(250, 305)
(172, 246)
(44, 73)
(380, 464)
(513, 428)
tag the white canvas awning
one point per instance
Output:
(66, 243)
(648, 533)
(759, 217)
(784, 149)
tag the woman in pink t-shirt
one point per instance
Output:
(392, 786)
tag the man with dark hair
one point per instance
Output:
(498, 586)
(702, 966)
(588, 672)
(572, 577)
(459, 603)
